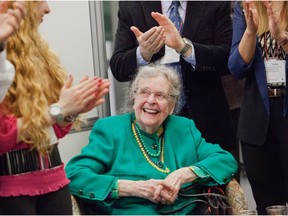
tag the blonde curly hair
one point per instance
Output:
(38, 80)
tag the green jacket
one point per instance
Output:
(113, 153)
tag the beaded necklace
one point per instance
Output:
(160, 153)
(154, 146)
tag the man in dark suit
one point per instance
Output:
(204, 52)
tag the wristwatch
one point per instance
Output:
(55, 111)
(188, 45)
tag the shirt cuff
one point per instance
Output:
(140, 59)
(114, 191)
(199, 172)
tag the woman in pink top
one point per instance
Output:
(39, 108)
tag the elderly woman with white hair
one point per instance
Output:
(143, 157)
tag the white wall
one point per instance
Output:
(117, 89)
(72, 144)
(68, 31)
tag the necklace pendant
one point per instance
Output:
(159, 164)
(154, 146)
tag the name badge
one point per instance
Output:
(275, 71)
(53, 137)
(171, 56)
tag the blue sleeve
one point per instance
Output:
(235, 63)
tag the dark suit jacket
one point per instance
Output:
(208, 25)
(254, 117)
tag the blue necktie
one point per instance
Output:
(177, 20)
(175, 16)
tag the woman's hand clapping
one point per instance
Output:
(10, 18)
(84, 96)
(251, 17)
(277, 31)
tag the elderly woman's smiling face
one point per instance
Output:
(152, 103)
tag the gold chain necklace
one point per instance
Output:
(160, 164)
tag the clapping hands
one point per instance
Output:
(150, 42)
(277, 31)
(173, 37)
(252, 20)
(84, 96)
(10, 18)
(251, 17)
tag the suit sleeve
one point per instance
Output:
(123, 62)
(213, 57)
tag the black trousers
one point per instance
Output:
(54, 203)
(267, 166)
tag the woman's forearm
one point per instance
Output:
(247, 46)
(126, 188)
